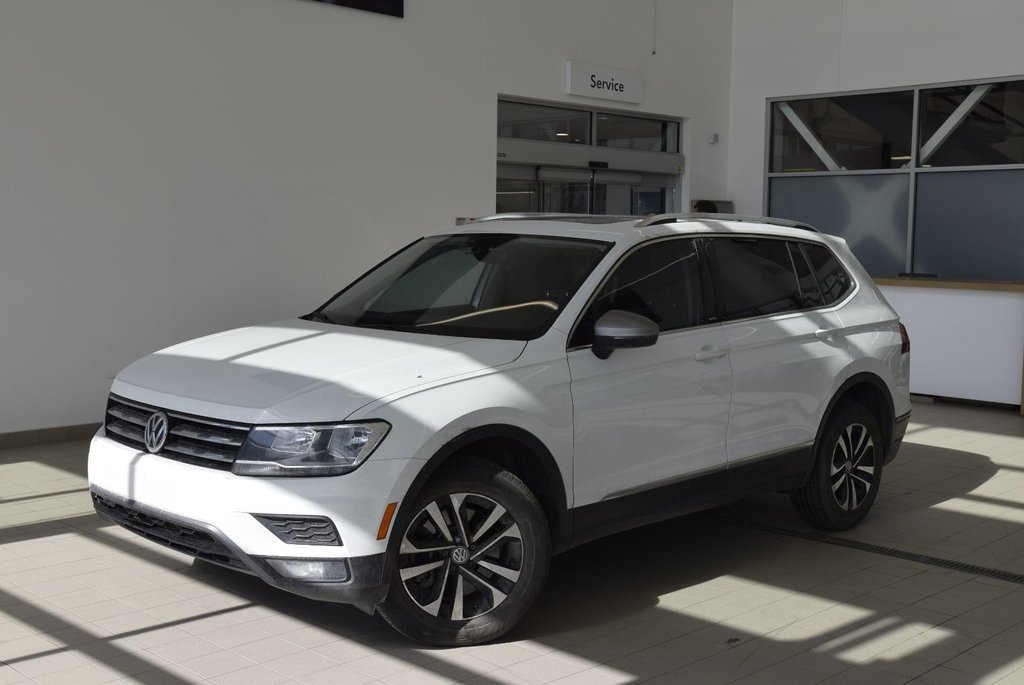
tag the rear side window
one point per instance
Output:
(660, 281)
(832, 278)
(755, 277)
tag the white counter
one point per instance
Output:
(966, 340)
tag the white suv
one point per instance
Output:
(425, 441)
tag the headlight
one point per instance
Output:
(308, 450)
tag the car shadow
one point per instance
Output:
(658, 600)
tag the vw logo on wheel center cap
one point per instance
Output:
(460, 555)
(156, 432)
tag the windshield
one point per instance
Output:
(482, 285)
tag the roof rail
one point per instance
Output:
(553, 216)
(672, 218)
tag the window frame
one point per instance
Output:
(912, 169)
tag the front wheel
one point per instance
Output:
(847, 470)
(471, 559)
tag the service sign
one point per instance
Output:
(607, 83)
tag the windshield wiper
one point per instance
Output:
(317, 316)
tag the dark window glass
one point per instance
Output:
(969, 225)
(857, 131)
(831, 276)
(991, 133)
(538, 122)
(477, 285)
(660, 281)
(754, 277)
(810, 293)
(637, 133)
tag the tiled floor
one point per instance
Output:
(703, 599)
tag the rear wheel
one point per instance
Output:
(471, 559)
(847, 470)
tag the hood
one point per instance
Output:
(301, 371)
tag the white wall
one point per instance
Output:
(803, 47)
(172, 168)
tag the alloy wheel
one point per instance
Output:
(853, 466)
(461, 556)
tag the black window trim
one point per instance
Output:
(710, 312)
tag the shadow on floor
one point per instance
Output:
(682, 600)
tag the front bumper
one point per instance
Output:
(215, 515)
(361, 584)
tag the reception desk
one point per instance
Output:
(967, 338)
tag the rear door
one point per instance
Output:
(784, 344)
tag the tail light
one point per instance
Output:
(905, 338)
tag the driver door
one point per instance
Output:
(652, 416)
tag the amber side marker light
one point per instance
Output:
(385, 521)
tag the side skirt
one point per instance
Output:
(779, 471)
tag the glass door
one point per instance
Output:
(565, 190)
(518, 189)
(523, 188)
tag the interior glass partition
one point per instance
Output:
(923, 180)
(969, 223)
(868, 211)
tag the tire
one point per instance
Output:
(847, 470)
(444, 592)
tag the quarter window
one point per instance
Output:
(660, 281)
(810, 293)
(831, 275)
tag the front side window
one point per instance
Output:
(660, 281)
(480, 285)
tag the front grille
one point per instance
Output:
(196, 543)
(190, 439)
(301, 530)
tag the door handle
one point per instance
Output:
(709, 352)
(825, 334)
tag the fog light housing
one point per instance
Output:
(310, 570)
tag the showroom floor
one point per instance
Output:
(930, 587)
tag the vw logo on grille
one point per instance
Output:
(156, 432)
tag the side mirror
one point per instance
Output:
(617, 329)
